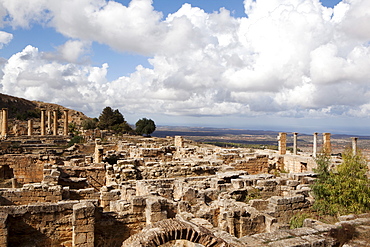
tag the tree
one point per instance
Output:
(145, 126)
(90, 124)
(113, 120)
(344, 191)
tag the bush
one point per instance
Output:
(297, 220)
(75, 140)
(344, 191)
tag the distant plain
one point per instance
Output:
(260, 138)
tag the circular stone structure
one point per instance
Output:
(173, 229)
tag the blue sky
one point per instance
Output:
(289, 65)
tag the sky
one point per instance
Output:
(284, 65)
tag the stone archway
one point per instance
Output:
(173, 229)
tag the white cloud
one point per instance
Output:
(355, 22)
(288, 57)
(5, 38)
(20, 13)
(29, 75)
(72, 51)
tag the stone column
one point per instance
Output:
(4, 127)
(42, 124)
(295, 134)
(83, 224)
(1, 123)
(314, 152)
(65, 122)
(282, 143)
(30, 127)
(354, 145)
(327, 144)
(49, 123)
(55, 122)
(98, 155)
(179, 142)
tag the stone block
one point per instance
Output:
(237, 183)
(83, 228)
(298, 198)
(138, 201)
(155, 217)
(153, 206)
(315, 240)
(90, 238)
(291, 242)
(292, 183)
(259, 204)
(267, 182)
(278, 200)
(79, 238)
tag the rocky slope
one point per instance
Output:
(20, 107)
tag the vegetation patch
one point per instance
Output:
(342, 191)
(297, 220)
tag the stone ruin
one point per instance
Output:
(134, 191)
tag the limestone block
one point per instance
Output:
(259, 204)
(274, 236)
(83, 210)
(119, 206)
(303, 186)
(291, 242)
(90, 238)
(298, 198)
(292, 183)
(315, 240)
(278, 200)
(153, 206)
(84, 228)
(79, 238)
(281, 181)
(237, 183)
(267, 182)
(308, 180)
(155, 217)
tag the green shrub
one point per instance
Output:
(75, 140)
(253, 193)
(344, 191)
(297, 220)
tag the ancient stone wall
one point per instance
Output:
(84, 194)
(31, 193)
(39, 225)
(255, 165)
(294, 163)
(26, 168)
(81, 177)
(83, 223)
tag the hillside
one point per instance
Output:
(19, 107)
(16, 106)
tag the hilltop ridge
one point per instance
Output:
(19, 106)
